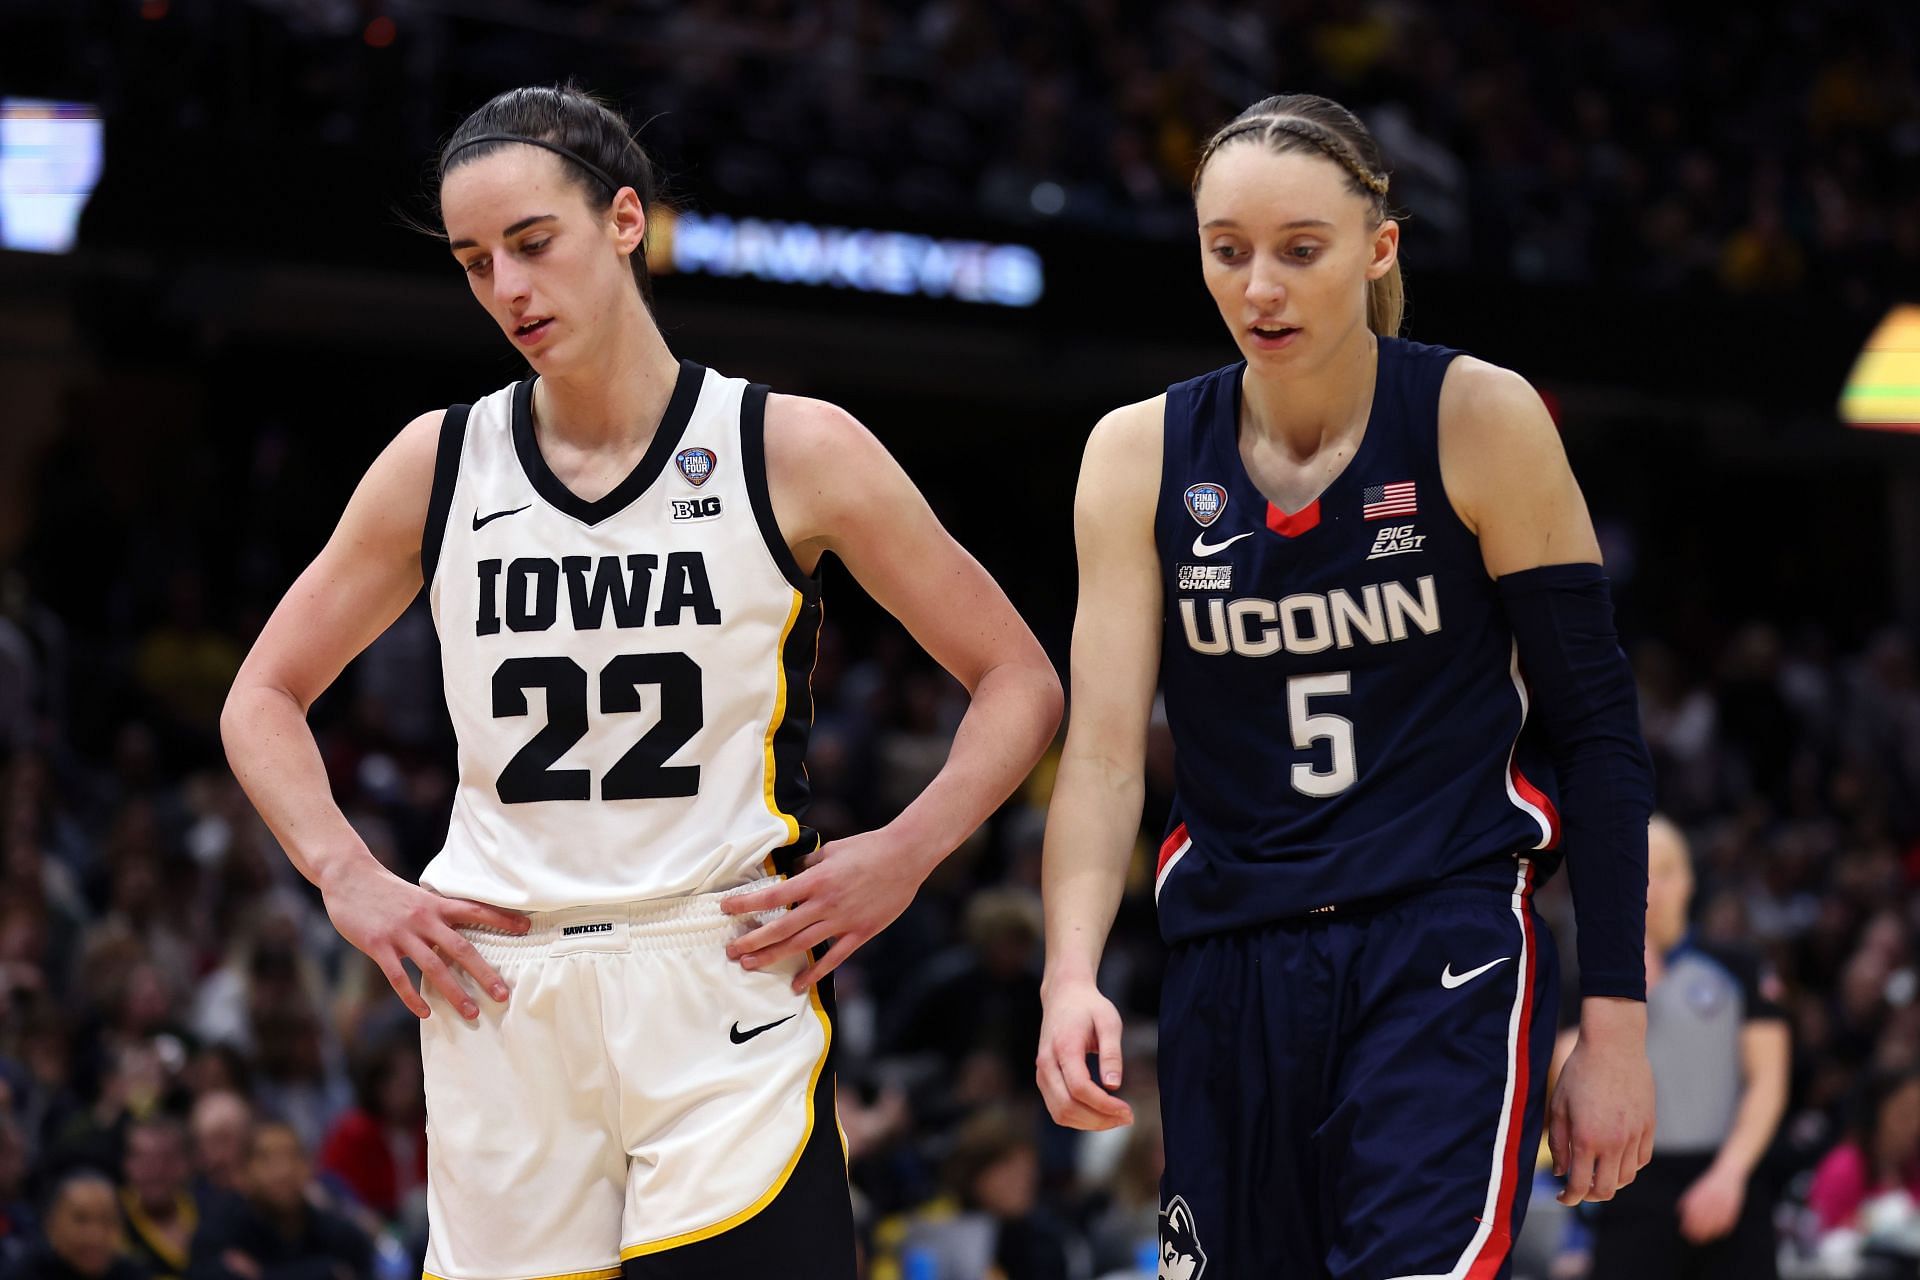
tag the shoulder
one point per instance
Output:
(1484, 405)
(1124, 447)
(801, 429)
(398, 487)
(1759, 987)
(413, 451)
(818, 450)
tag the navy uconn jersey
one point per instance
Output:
(1344, 693)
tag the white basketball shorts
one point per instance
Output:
(640, 1100)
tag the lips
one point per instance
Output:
(531, 333)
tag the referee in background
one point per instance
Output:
(1720, 1049)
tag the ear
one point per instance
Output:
(627, 220)
(1386, 248)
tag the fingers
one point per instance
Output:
(1606, 1175)
(1106, 1028)
(479, 914)
(1064, 1107)
(751, 948)
(1082, 1089)
(434, 970)
(1046, 1074)
(1559, 1140)
(785, 893)
(1579, 1175)
(795, 943)
(468, 957)
(402, 985)
(842, 947)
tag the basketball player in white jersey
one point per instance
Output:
(625, 938)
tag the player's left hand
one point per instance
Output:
(1711, 1206)
(1600, 1119)
(849, 891)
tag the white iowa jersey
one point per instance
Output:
(628, 678)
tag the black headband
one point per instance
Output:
(613, 187)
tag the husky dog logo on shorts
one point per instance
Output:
(696, 465)
(1181, 1257)
(1205, 502)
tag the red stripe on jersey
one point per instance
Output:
(1499, 1241)
(1538, 799)
(1292, 526)
(1169, 848)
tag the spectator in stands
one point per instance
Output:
(156, 1201)
(273, 1231)
(222, 1125)
(378, 1148)
(82, 1240)
(1880, 1154)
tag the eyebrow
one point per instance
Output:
(1285, 226)
(513, 230)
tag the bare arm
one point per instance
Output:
(1508, 478)
(359, 583)
(1095, 816)
(836, 488)
(1710, 1208)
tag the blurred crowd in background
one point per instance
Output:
(180, 1017)
(1760, 148)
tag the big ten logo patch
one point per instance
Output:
(696, 508)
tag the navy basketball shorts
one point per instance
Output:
(1357, 1095)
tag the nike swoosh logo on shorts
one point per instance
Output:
(741, 1037)
(1201, 547)
(1449, 979)
(479, 519)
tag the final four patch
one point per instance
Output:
(1205, 502)
(696, 465)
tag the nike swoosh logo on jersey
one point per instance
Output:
(1449, 979)
(479, 519)
(741, 1037)
(1201, 547)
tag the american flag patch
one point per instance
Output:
(1383, 500)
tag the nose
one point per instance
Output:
(1266, 287)
(510, 283)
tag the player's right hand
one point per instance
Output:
(1077, 1021)
(391, 920)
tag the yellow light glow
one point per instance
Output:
(1883, 391)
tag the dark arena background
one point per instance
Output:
(1696, 228)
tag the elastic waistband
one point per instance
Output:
(1514, 882)
(652, 924)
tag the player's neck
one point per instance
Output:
(611, 402)
(1298, 416)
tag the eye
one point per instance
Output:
(1304, 252)
(1226, 252)
(475, 267)
(535, 246)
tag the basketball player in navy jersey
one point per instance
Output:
(625, 939)
(1367, 583)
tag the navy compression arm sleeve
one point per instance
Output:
(1584, 697)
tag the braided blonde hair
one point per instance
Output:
(1307, 122)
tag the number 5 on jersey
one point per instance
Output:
(642, 773)
(1308, 727)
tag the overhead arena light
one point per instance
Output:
(1883, 391)
(866, 260)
